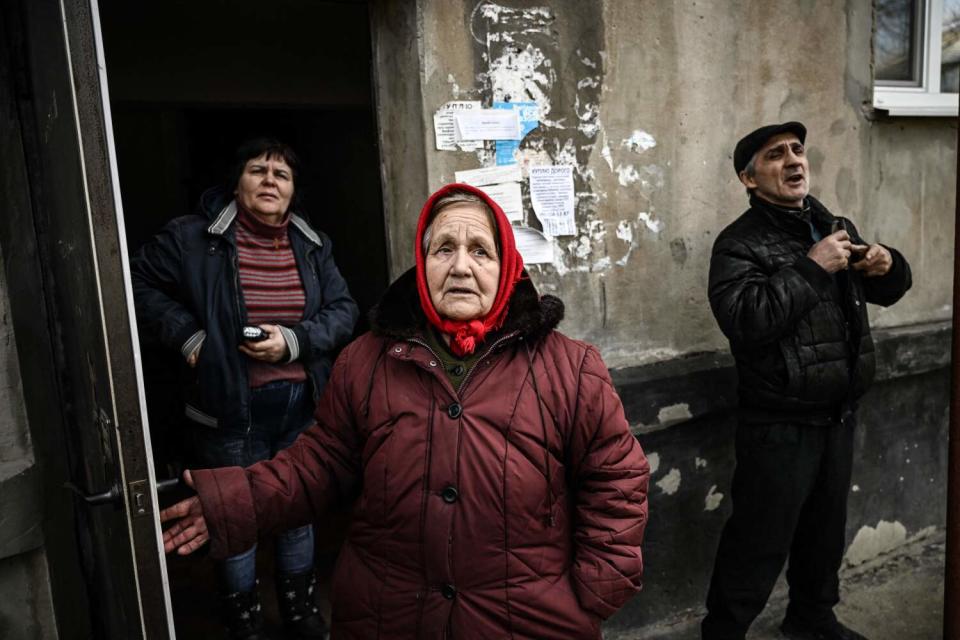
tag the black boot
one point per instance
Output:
(829, 630)
(242, 615)
(296, 595)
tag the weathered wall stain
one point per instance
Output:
(674, 413)
(678, 249)
(670, 483)
(15, 445)
(873, 541)
(646, 100)
(655, 95)
(713, 499)
(522, 47)
(653, 459)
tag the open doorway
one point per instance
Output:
(188, 82)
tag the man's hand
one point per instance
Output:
(876, 261)
(189, 531)
(194, 356)
(273, 349)
(833, 252)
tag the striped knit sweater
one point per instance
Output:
(272, 290)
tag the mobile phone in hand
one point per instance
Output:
(252, 333)
(841, 225)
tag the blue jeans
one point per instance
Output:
(279, 412)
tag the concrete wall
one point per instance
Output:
(647, 99)
(26, 608)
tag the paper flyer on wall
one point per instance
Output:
(529, 114)
(487, 124)
(444, 126)
(489, 175)
(509, 197)
(534, 247)
(552, 197)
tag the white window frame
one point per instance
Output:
(926, 99)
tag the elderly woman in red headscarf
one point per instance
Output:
(501, 493)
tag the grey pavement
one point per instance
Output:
(896, 596)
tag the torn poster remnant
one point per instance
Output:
(510, 198)
(444, 128)
(529, 114)
(534, 247)
(639, 141)
(489, 175)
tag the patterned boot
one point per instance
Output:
(296, 595)
(241, 613)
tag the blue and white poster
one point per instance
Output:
(529, 120)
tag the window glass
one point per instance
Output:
(950, 48)
(895, 42)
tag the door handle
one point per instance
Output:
(114, 495)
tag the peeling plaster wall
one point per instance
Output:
(898, 490)
(909, 194)
(16, 453)
(25, 602)
(20, 510)
(26, 608)
(646, 99)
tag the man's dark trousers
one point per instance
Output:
(789, 498)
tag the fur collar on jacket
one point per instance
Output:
(398, 314)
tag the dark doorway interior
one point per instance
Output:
(188, 81)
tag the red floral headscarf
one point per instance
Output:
(465, 335)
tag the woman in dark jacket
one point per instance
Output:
(502, 494)
(251, 297)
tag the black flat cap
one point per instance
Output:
(751, 143)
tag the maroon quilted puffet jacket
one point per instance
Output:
(466, 525)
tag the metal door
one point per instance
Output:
(63, 108)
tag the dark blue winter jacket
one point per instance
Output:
(187, 279)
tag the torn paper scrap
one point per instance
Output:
(487, 124)
(509, 197)
(444, 127)
(552, 197)
(534, 247)
(529, 114)
(489, 175)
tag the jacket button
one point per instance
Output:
(449, 591)
(457, 370)
(454, 410)
(450, 494)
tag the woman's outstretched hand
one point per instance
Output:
(189, 530)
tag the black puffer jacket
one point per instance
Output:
(800, 336)
(186, 279)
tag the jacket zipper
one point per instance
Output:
(496, 344)
(241, 320)
(309, 266)
(490, 350)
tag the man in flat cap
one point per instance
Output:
(789, 283)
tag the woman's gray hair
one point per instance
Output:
(456, 197)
